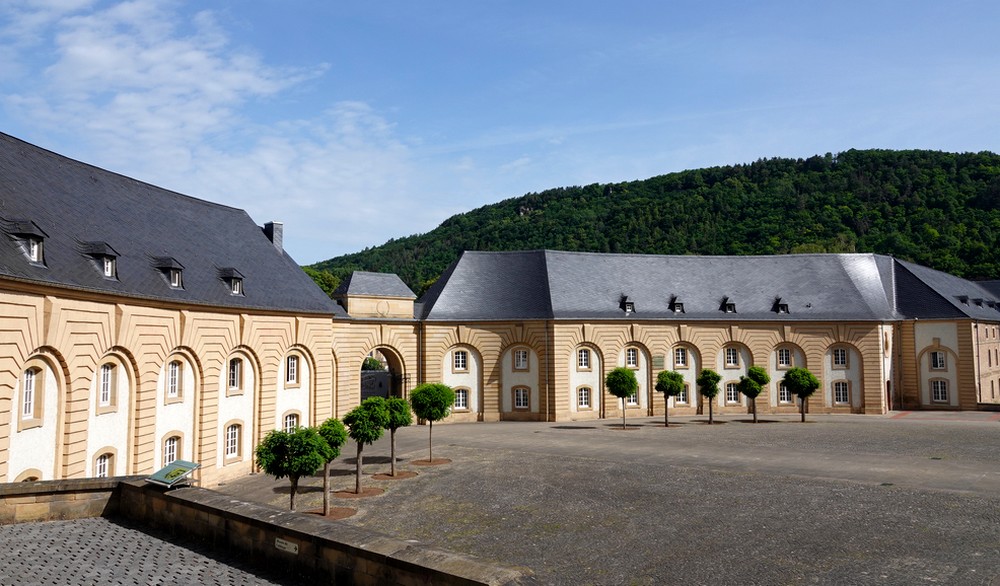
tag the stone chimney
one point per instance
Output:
(273, 231)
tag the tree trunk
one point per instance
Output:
(802, 408)
(754, 405)
(666, 410)
(291, 493)
(326, 489)
(357, 480)
(623, 413)
(392, 452)
(710, 410)
(430, 442)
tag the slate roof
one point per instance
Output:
(84, 211)
(593, 286)
(374, 284)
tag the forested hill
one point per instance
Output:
(937, 209)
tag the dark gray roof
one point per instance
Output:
(83, 211)
(374, 284)
(594, 286)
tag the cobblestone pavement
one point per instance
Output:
(901, 499)
(101, 551)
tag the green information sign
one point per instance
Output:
(173, 473)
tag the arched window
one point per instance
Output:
(522, 398)
(291, 422)
(104, 465)
(171, 449)
(105, 394)
(29, 402)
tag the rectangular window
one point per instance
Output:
(732, 393)
(461, 360)
(583, 358)
(233, 441)
(841, 393)
(680, 357)
(583, 397)
(103, 464)
(236, 286)
(107, 371)
(632, 399)
(683, 397)
(840, 358)
(631, 358)
(109, 267)
(28, 395)
(35, 250)
(938, 361)
(174, 380)
(784, 395)
(235, 373)
(292, 369)
(461, 399)
(520, 359)
(732, 356)
(521, 398)
(175, 278)
(784, 357)
(939, 391)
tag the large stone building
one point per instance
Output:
(139, 325)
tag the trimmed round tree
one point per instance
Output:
(296, 454)
(365, 424)
(621, 382)
(432, 401)
(671, 384)
(399, 416)
(752, 384)
(708, 387)
(801, 383)
(333, 432)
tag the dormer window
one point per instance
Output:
(29, 236)
(629, 307)
(104, 256)
(779, 306)
(234, 279)
(171, 270)
(727, 305)
(675, 305)
(626, 305)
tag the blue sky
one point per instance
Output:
(357, 122)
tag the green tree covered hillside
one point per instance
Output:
(938, 209)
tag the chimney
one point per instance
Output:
(273, 232)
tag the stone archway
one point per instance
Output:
(389, 380)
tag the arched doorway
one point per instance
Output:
(383, 374)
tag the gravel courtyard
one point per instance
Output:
(910, 498)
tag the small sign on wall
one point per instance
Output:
(658, 362)
(283, 545)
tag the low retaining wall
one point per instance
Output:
(332, 553)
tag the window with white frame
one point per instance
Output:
(583, 397)
(173, 379)
(784, 357)
(840, 357)
(108, 263)
(683, 396)
(841, 393)
(171, 449)
(461, 399)
(784, 395)
(291, 422)
(522, 398)
(732, 356)
(35, 250)
(236, 286)
(104, 395)
(28, 394)
(175, 279)
(939, 391)
(732, 393)
(632, 399)
(938, 361)
(520, 359)
(102, 467)
(461, 360)
(680, 357)
(235, 373)
(583, 358)
(632, 357)
(292, 369)
(233, 440)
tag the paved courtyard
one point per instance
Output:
(910, 498)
